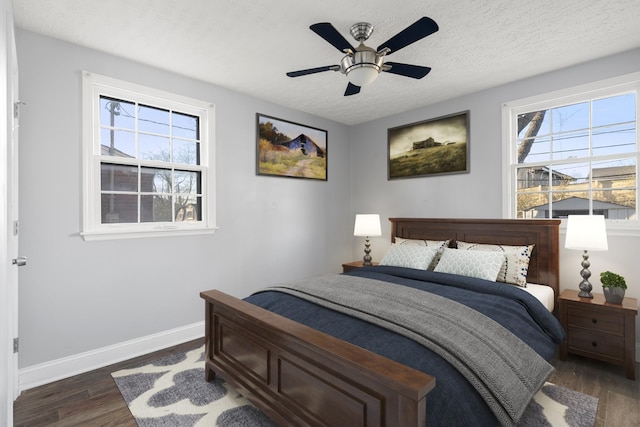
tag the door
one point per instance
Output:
(12, 186)
(8, 216)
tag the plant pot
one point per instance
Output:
(613, 295)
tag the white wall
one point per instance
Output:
(478, 194)
(77, 296)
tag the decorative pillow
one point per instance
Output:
(480, 264)
(440, 244)
(422, 242)
(411, 256)
(516, 263)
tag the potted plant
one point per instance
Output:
(613, 286)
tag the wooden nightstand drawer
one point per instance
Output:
(596, 321)
(600, 346)
(598, 329)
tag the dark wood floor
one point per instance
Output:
(92, 399)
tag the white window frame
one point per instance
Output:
(95, 85)
(510, 111)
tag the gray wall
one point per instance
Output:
(76, 296)
(478, 194)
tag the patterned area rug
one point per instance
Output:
(172, 392)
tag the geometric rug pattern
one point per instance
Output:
(172, 392)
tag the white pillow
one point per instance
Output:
(411, 256)
(516, 265)
(440, 244)
(480, 264)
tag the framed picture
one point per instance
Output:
(432, 147)
(290, 149)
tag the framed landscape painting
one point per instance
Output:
(290, 149)
(432, 147)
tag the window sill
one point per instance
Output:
(118, 234)
(629, 228)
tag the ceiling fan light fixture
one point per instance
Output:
(363, 66)
(362, 74)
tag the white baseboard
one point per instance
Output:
(44, 373)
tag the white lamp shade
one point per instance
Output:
(587, 233)
(367, 225)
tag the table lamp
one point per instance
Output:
(586, 233)
(367, 225)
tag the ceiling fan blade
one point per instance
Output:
(407, 70)
(351, 89)
(330, 34)
(313, 70)
(414, 32)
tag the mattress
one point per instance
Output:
(543, 293)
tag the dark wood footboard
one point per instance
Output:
(299, 376)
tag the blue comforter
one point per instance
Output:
(454, 402)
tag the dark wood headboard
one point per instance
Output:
(544, 267)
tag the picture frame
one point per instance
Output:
(437, 146)
(288, 149)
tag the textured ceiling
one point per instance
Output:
(249, 45)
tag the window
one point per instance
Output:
(574, 152)
(148, 162)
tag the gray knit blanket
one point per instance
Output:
(504, 370)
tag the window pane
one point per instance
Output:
(573, 173)
(532, 204)
(532, 177)
(119, 208)
(532, 150)
(571, 145)
(155, 180)
(118, 177)
(184, 126)
(616, 139)
(616, 204)
(117, 113)
(117, 143)
(154, 147)
(186, 182)
(534, 123)
(570, 203)
(616, 174)
(186, 152)
(570, 117)
(153, 120)
(188, 208)
(613, 110)
(154, 208)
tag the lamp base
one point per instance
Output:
(585, 286)
(367, 250)
(585, 294)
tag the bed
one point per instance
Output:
(297, 363)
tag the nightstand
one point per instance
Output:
(353, 265)
(599, 330)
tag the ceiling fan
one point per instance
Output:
(362, 65)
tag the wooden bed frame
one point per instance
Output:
(299, 376)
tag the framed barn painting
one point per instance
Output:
(290, 149)
(433, 147)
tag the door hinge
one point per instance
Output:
(16, 344)
(16, 109)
